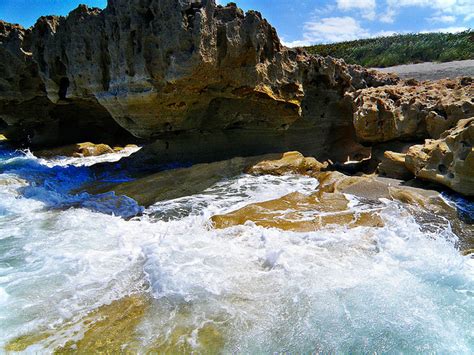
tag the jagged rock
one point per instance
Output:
(290, 163)
(412, 110)
(27, 113)
(393, 166)
(76, 150)
(448, 160)
(163, 68)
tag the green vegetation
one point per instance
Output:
(401, 49)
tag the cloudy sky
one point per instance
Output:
(301, 22)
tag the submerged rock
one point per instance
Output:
(290, 163)
(448, 160)
(175, 183)
(110, 328)
(412, 110)
(114, 328)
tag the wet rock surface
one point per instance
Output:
(300, 213)
(175, 183)
(87, 149)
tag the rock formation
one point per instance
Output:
(393, 166)
(292, 212)
(290, 163)
(177, 71)
(76, 150)
(175, 183)
(448, 160)
(412, 110)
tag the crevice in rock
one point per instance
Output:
(63, 87)
(221, 44)
(190, 13)
(105, 64)
(149, 16)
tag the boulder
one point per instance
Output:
(290, 163)
(449, 160)
(411, 110)
(393, 166)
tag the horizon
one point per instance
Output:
(309, 22)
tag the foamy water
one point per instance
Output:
(399, 288)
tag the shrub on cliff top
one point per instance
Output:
(401, 49)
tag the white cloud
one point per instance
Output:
(446, 30)
(367, 7)
(444, 9)
(388, 16)
(443, 19)
(385, 33)
(297, 43)
(333, 29)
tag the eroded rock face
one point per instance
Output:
(448, 160)
(157, 67)
(31, 115)
(412, 110)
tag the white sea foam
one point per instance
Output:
(391, 289)
(88, 161)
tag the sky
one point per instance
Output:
(304, 22)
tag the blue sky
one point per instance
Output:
(301, 22)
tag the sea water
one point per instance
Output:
(397, 288)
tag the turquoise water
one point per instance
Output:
(400, 288)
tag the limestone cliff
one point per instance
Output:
(412, 110)
(162, 69)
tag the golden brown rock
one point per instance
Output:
(393, 166)
(412, 111)
(448, 160)
(114, 329)
(165, 69)
(468, 252)
(290, 163)
(300, 213)
(108, 329)
(76, 150)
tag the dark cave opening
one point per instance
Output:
(63, 87)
